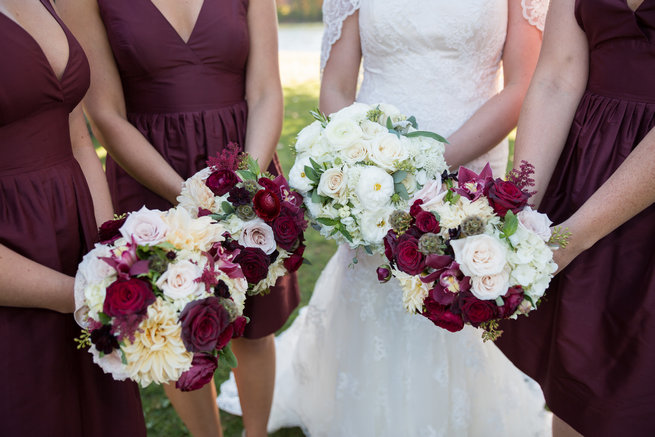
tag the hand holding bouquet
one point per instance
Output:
(471, 251)
(358, 165)
(262, 215)
(160, 299)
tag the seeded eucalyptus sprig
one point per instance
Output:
(490, 330)
(560, 237)
(84, 340)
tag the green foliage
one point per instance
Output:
(511, 224)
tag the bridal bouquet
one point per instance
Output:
(262, 215)
(471, 251)
(160, 298)
(356, 166)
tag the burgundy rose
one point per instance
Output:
(239, 326)
(109, 230)
(427, 222)
(222, 181)
(254, 263)
(511, 300)
(409, 259)
(128, 296)
(476, 311)
(201, 372)
(266, 204)
(390, 242)
(384, 273)
(104, 340)
(239, 196)
(504, 196)
(441, 316)
(286, 232)
(225, 337)
(416, 208)
(294, 262)
(203, 321)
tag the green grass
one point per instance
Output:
(161, 419)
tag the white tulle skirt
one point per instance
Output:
(354, 364)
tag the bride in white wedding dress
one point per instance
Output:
(354, 364)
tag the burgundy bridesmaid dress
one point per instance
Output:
(47, 386)
(591, 345)
(188, 100)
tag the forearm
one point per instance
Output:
(543, 128)
(625, 194)
(130, 149)
(486, 128)
(27, 284)
(264, 127)
(336, 96)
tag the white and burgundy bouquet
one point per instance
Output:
(263, 216)
(471, 250)
(160, 298)
(355, 167)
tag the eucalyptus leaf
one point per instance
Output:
(399, 176)
(401, 191)
(316, 166)
(423, 133)
(412, 121)
(227, 207)
(253, 165)
(327, 221)
(311, 174)
(346, 234)
(368, 250)
(389, 124)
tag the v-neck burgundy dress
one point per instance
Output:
(591, 344)
(47, 386)
(188, 100)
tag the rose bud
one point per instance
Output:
(384, 273)
(201, 372)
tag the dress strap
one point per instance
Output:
(335, 13)
(535, 12)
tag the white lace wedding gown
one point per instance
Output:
(354, 364)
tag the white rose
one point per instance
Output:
(356, 152)
(375, 188)
(179, 280)
(256, 233)
(308, 136)
(342, 132)
(93, 268)
(390, 111)
(298, 178)
(374, 224)
(332, 183)
(432, 194)
(480, 255)
(146, 226)
(386, 149)
(490, 287)
(357, 112)
(536, 222)
(371, 129)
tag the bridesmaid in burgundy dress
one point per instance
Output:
(591, 344)
(49, 388)
(169, 87)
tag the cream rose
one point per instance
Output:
(146, 226)
(357, 111)
(356, 152)
(386, 149)
(186, 232)
(93, 268)
(480, 255)
(372, 129)
(374, 188)
(179, 280)
(536, 222)
(256, 233)
(490, 287)
(332, 183)
(342, 132)
(195, 194)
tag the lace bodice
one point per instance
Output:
(439, 60)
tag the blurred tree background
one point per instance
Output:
(299, 10)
